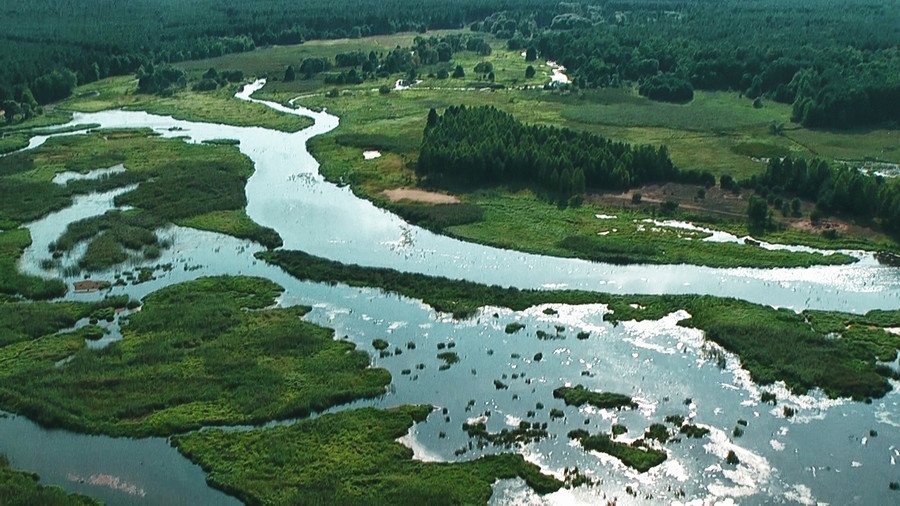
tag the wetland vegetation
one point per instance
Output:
(663, 111)
(224, 355)
(774, 345)
(350, 457)
(579, 395)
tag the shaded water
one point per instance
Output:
(819, 454)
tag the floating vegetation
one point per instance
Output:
(579, 395)
(693, 431)
(449, 358)
(636, 456)
(732, 458)
(524, 433)
(658, 432)
(512, 328)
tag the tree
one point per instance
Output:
(432, 118)
(458, 72)
(484, 67)
(530, 54)
(529, 72)
(758, 214)
(290, 74)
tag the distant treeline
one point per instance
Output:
(483, 145)
(354, 67)
(838, 63)
(47, 47)
(834, 189)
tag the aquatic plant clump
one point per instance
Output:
(579, 395)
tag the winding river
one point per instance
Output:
(824, 453)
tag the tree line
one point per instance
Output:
(483, 145)
(840, 190)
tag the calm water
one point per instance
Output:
(824, 453)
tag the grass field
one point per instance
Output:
(208, 352)
(350, 457)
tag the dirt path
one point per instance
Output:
(417, 195)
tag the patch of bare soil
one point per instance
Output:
(714, 200)
(417, 195)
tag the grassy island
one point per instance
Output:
(350, 457)
(579, 395)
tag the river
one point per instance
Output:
(823, 453)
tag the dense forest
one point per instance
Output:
(835, 190)
(483, 145)
(838, 63)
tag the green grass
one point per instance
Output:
(202, 353)
(12, 282)
(218, 106)
(773, 345)
(876, 144)
(709, 111)
(234, 223)
(351, 457)
(636, 457)
(18, 488)
(26, 321)
(522, 221)
(51, 117)
(12, 141)
(579, 395)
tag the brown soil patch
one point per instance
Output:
(416, 195)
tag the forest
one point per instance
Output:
(835, 190)
(837, 64)
(483, 145)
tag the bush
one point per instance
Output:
(384, 89)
